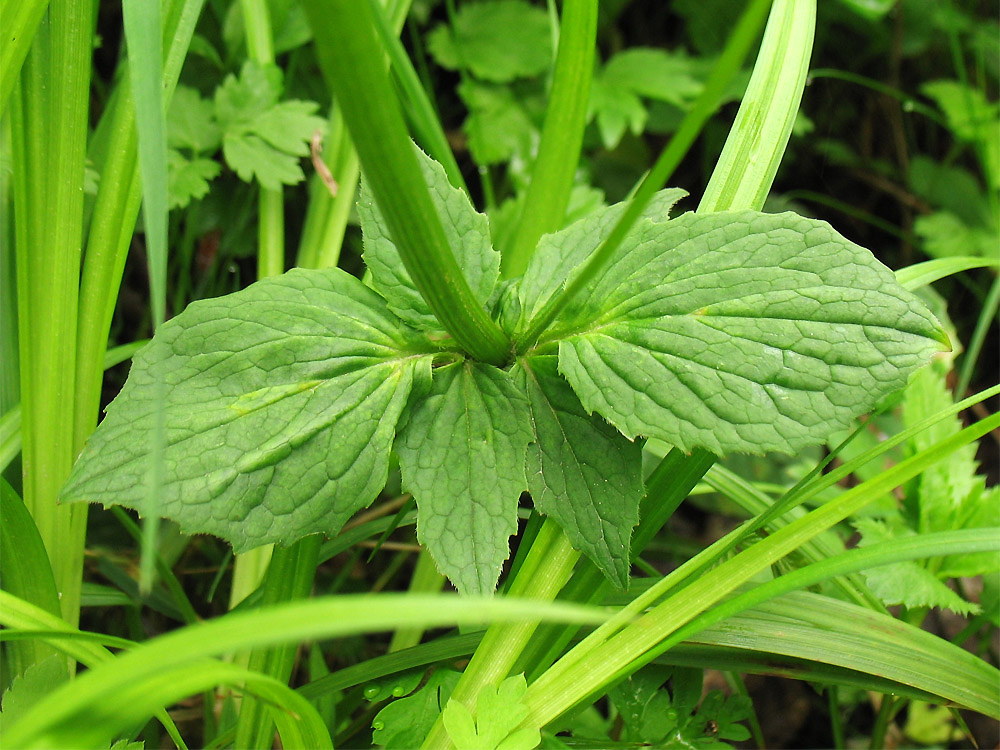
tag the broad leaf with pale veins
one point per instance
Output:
(468, 234)
(581, 471)
(562, 253)
(740, 332)
(281, 403)
(461, 453)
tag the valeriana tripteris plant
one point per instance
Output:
(732, 332)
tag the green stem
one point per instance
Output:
(546, 569)
(289, 576)
(353, 63)
(51, 126)
(725, 68)
(562, 134)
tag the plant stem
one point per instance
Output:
(289, 576)
(50, 139)
(562, 134)
(546, 569)
(353, 63)
(986, 316)
(21, 19)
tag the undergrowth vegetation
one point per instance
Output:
(499, 374)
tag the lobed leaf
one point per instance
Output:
(740, 332)
(468, 234)
(280, 406)
(462, 453)
(497, 40)
(581, 471)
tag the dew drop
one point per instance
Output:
(371, 691)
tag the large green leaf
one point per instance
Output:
(560, 253)
(468, 234)
(741, 332)
(280, 407)
(462, 452)
(581, 471)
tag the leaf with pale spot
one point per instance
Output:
(462, 453)
(581, 471)
(741, 332)
(280, 408)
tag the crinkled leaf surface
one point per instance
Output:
(561, 253)
(468, 234)
(741, 332)
(461, 453)
(581, 471)
(497, 40)
(281, 405)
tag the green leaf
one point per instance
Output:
(741, 332)
(616, 109)
(263, 138)
(497, 40)
(581, 471)
(404, 723)
(191, 122)
(945, 235)
(559, 254)
(189, 178)
(498, 126)
(654, 74)
(462, 453)
(499, 710)
(971, 118)
(26, 689)
(906, 583)
(280, 411)
(468, 235)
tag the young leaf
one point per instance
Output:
(581, 471)
(497, 40)
(498, 127)
(461, 453)
(280, 412)
(26, 689)
(560, 253)
(499, 710)
(191, 122)
(263, 137)
(741, 332)
(188, 179)
(468, 234)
